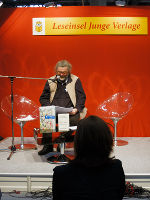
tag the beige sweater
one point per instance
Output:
(70, 89)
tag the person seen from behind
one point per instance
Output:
(93, 174)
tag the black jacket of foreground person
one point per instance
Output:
(93, 174)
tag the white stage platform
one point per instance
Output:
(27, 171)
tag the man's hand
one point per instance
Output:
(74, 111)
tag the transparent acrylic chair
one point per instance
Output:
(115, 108)
(24, 110)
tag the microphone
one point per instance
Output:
(55, 79)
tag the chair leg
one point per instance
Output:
(62, 148)
(116, 141)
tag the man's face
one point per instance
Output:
(62, 72)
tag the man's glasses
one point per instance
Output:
(62, 73)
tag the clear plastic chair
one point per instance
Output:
(115, 108)
(24, 110)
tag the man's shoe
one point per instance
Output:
(46, 149)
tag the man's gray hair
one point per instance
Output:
(63, 63)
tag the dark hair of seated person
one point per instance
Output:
(93, 143)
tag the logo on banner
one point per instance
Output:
(38, 26)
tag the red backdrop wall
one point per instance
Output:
(106, 64)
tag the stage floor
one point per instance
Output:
(28, 171)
